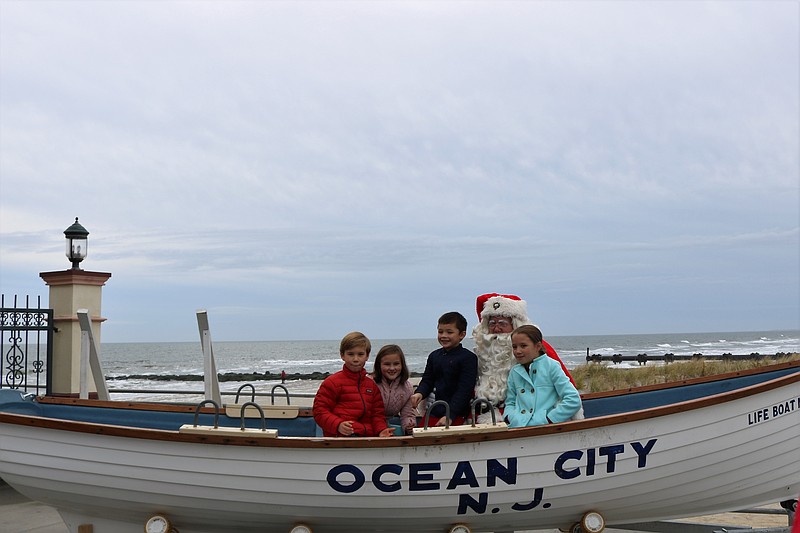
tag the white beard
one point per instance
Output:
(495, 360)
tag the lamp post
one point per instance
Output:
(72, 290)
(77, 243)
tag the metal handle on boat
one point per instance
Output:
(252, 394)
(285, 390)
(216, 412)
(260, 411)
(446, 413)
(487, 403)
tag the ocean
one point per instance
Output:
(169, 367)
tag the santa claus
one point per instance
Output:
(498, 316)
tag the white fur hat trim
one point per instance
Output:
(501, 306)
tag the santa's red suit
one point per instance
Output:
(495, 357)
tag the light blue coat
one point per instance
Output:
(543, 391)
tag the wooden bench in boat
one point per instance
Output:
(224, 431)
(438, 431)
(270, 411)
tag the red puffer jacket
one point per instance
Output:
(348, 395)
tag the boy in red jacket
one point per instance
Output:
(348, 403)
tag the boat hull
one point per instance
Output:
(717, 454)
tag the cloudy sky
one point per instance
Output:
(304, 169)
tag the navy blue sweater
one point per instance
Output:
(451, 376)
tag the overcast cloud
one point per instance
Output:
(304, 169)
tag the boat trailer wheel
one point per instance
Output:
(159, 524)
(300, 528)
(591, 522)
(460, 528)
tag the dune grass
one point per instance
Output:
(598, 377)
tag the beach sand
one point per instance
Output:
(743, 519)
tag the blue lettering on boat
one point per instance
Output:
(420, 477)
(388, 477)
(479, 505)
(564, 468)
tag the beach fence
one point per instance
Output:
(643, 358)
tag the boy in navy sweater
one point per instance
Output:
(450, 372)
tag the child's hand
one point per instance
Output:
(442, 421)
(346, 428)
(415, 399)
(388, 432)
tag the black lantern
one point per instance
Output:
(77, 243)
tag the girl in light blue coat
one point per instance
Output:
(539, 392)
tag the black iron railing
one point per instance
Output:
(26, 346)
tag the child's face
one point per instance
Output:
(525, 350)
(449, 336)
(355, 358)
(391, 366)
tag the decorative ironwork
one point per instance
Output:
(26, 347)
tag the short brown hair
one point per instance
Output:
(352, 340)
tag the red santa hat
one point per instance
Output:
(494, 304)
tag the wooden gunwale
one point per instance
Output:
(394, 442)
